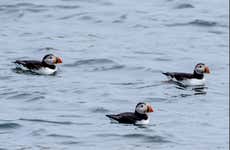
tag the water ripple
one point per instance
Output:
(36, 98)
(100, 110)
(71, 142)
(72, 16)
(89, 62)
(9, 125)
(148, 138)
(67, 6)
(47, 121)
(184, 6)
(128, 83)
(60, 136)
(196, 22)
(20, 96)
(23, 6)
(96, 64)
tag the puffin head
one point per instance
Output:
(143, 108)
(50, 59)
(201, 68)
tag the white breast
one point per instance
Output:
(45, 71)
(142, 122)
(193, 82)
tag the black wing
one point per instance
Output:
(178, 76)
(127, 117)
(30, 64)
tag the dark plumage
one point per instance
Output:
(140, 115)
(46, 66)
(34, 64)
(195, 78)
(182, 76)
(128, 117)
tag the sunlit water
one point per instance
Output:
(113, 54)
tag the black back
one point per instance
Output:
(128, 117)
(183, 76)
(34, 64)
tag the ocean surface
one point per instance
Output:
(113, 54)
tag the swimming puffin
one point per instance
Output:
(195, 78)
(46, 66)
(138, 117)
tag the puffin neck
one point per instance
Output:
(142, 116)
(47, 65)
(198, 75)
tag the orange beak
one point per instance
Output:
(150, 109)
(59, 60)
(206, 70)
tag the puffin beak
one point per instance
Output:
(59, 60)
(149, 109)
(206, 70)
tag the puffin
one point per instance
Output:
(187, 79)
(138, 117)
(45, 67)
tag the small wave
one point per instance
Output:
(128, 83)
(199, 22)
(36, 10)
(18, 5)
(121, 19)
(9, 125)
(140, 26)
(107, 135)
(148, 86)
(70, 116)
(100, 110)
(8, 93)
(67, 6)
(105, 68)
(20, 96)
(60, 136)
(162, 59)
(71, 142)
(38, 132)
(36, 98)
(196, 22)
(96, 64)
(142, 52)
(86, 17)
(23, 6)
(148, 138)
(184, 6)
(216, 32)
(89, 62)
(155, 99)
(48, 49)
(72, 16)
(48, 121)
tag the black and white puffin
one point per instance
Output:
(195, 78)
(138, 117)
(46, 66)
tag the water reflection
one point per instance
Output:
(192, 90)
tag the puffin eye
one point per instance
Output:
(142, 106)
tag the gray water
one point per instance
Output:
(113, 54)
